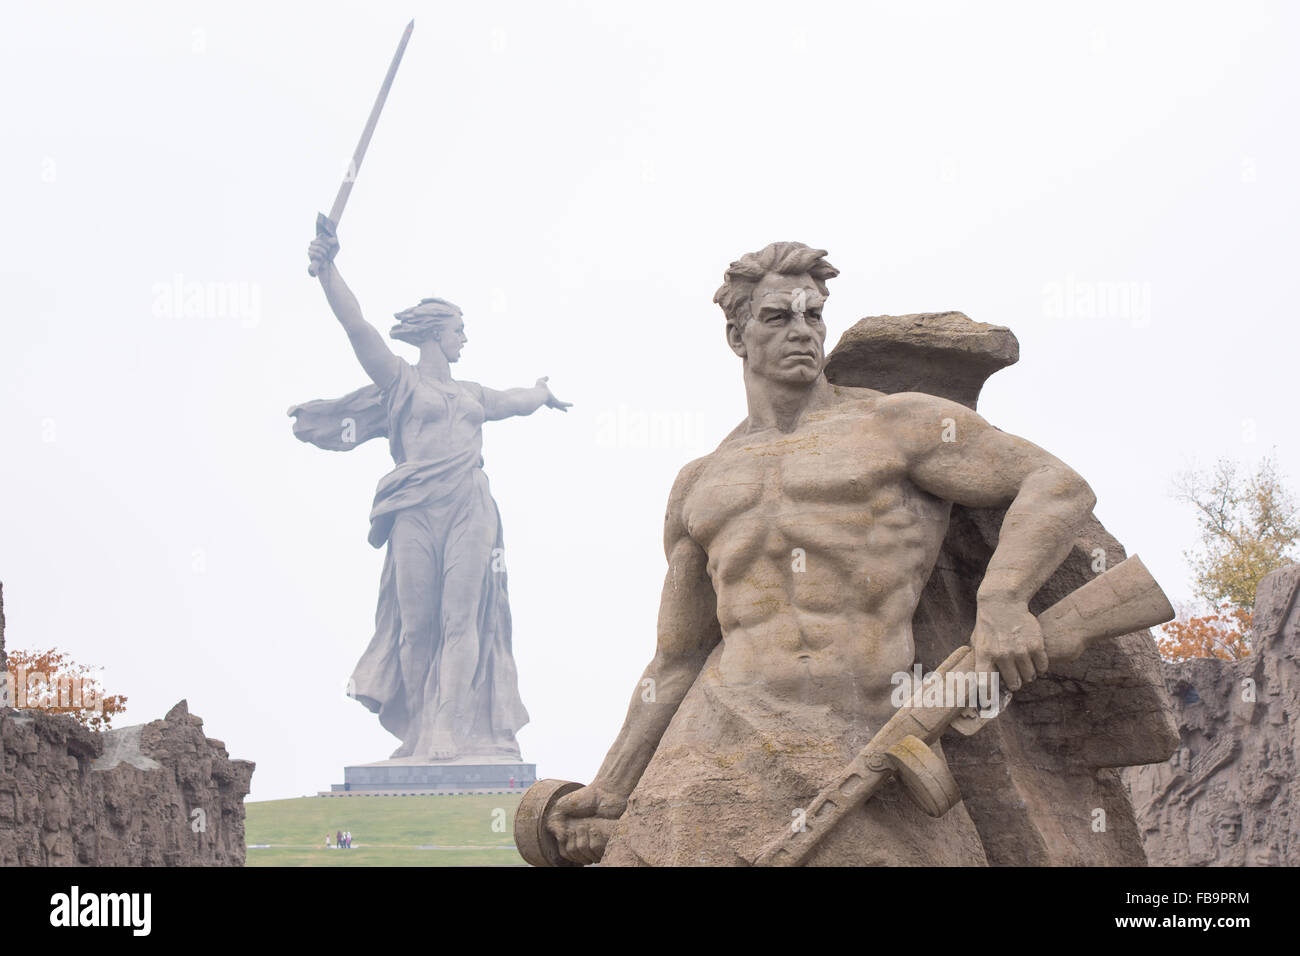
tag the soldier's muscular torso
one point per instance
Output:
(818, 548)
(802, 546)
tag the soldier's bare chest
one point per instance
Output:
(839, 465)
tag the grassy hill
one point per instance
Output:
(461, 830)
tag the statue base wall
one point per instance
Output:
(468, 774)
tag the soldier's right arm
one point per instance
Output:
(371, 350)
(688, 631)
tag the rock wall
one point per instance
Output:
(1229, 796)
(4, 659)
(156, 794)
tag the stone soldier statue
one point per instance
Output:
(798, 553)
(439, 671)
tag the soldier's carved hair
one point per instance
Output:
(783, 258)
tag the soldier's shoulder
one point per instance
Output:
(905, 404)
(689, 473)
(674, 514)
(850, 399)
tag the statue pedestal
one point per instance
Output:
(409, 775)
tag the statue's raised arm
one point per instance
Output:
(372, 351)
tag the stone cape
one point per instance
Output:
(1033, 781)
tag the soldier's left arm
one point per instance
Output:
(954, 454)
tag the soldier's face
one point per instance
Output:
(785, 337)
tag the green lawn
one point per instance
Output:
(469, 830)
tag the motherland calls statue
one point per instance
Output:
(439, 671)
(838, 538)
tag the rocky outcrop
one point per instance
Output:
(4, 659)
(1229, 796)
(939, 353)
(156, 794)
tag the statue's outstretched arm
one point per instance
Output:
(520, 401)
(582, 821)
(372, 351)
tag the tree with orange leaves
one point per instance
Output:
(52, 681)
(1249, 527)
(1224, 634)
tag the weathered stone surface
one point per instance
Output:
(4, 658)
(939, 353)
(1229, 796)
(1033, 779)
(819, 553)
(126, 797)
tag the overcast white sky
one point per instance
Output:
(577, 176)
